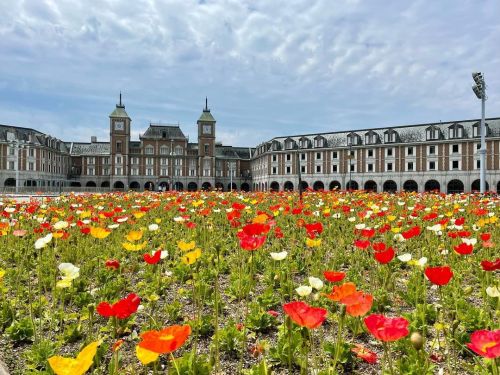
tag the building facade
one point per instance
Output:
(162, 159)
(427, 157)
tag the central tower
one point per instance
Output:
(206, 146)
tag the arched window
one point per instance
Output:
(178, 150)
(164, 150)
(149, 150)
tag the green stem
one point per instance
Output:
(388, 357)
(175, 364)
(339, 337)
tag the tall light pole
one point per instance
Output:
(349, 142)
(18, 144)
(231, 176)
(479, 89)
(299, 172)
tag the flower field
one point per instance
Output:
(251, 283)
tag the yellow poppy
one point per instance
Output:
(100, 233)
(313, 243)
(138, 214)
(79, 366)
(134, 235)
(186, 246)
(134, 247)
(85, 214)
(191, 257)
(260, 219)
(145, 356)
(2, 274)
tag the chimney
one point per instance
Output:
(93, 139)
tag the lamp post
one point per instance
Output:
(479, 89)
(349, 142)
(299, 173)
(231, 176)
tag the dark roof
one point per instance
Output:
(28, 135)
(229, 152)
(163, 132)
(119, 112)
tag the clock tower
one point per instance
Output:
(119, 132)
(206, 145)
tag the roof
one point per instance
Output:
(119, 112)
(163, 132)
(95, 148)
(229, 152)
(30, 136)
(406, 133)
(206, 116)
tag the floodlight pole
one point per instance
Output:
(300, 176)
(482, 151)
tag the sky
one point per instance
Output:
(268, 67)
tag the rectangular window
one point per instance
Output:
(388, 167)
(302, 169)
(288, 157)
(31, 166)
(288, 170)
(478, 164)
(318, 156)
(90, 160)
(118, 160)
(31, 152)
(302, 156)
(118, 146)
(389, 151)
(118, 171)
(275, 157)
(432, 150)
(409, 166)
(455, 165)
(369, 167)
(318, 169)
(149, 171)
(455, 149)
(409, 151)
(335, 155)
(353, 168)
(370, 153)
(11, 165)
(149, 161)
(275, 170)
(206, 148)
(335, 168)
(105, 171)
(432, 165)
(90, 171)
(105, 160)
(12, 151)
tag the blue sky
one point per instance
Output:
(269, 68)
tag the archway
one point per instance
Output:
(433, 186)
(118, 185)
(30, 183)
(233, 187)
(275, 186)
(352, 185)
(335, 185)
(105, 184)
(193, 186)
(410, 185)
(90, 184)
(134, 185)
(75, 184)
(476, 186)
(164, 186)
(498, 187)
(390, 186)
(288, 186)
(206, 186)
(371, 185)
(304, 185)
(149, 186)
(10, 182)
(455, 187)
(179, 186)
(318, 186)
(245, 187)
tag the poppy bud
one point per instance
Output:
(417, 340)
(91, 308)
(467, 290)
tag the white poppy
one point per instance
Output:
(279, 256)
(315, 282)
(404, 257)
(153, 227)
(304, 290)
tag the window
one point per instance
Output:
(149, 161)
(370, 153)
(164, 150)
(118, 146)
(369, 167)
(389, 151)
(409, 166)
(302, 169)
(118, 160)
(90, 160)
(431, 150)
(275, 157)
(31, 166)
(118, 171)
(275, 170)
(178, 150)
(455, 165)
(335, 168)
(105, 171)
(205, 146)
(318, 169)
(164, 161)
(178, 162)
(335, 155)
(455, 131)
(90, 171)
(149, 150)
(11, 165)
(149, 171)
(455, 149)
(31, 152)
(432, 133)
(432, 165)
(409, 151)
(12, 151)
(478, 164)
(388, 167)
(105, 160)
(288, 169)
(319, 142)
(352, 154)
(390, 137)
(353, 168)
(288, 157)
(302, 156)
(178, 172)
(318, 156)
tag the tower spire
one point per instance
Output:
(206, 104)
(120, 98)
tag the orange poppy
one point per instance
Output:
(166, 340)
(358, 303)
(342, 291)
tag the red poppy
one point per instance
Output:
(439, 275)
(387, 329)
(412, 232)
(256, 229)
(485, 236)
(384, 257)
(305, 315)
(485, 343)
(367, 232)
(121, 309)
(491, 266)
(152, 259)
(166, 340)
(112, 263)
(357, 303)
(314, 229)
(362, 244)
(364, 354)
(273, 313)
(334, 276)
(463, 248)
(250, 243)
(117, 345)
(379, 246)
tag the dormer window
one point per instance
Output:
(289, 144)
(476, 129)
(390, 136)
(319, 142)
(432, 133)
(353, 139)
(371, 138)
(304, 143)
(455, 131)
